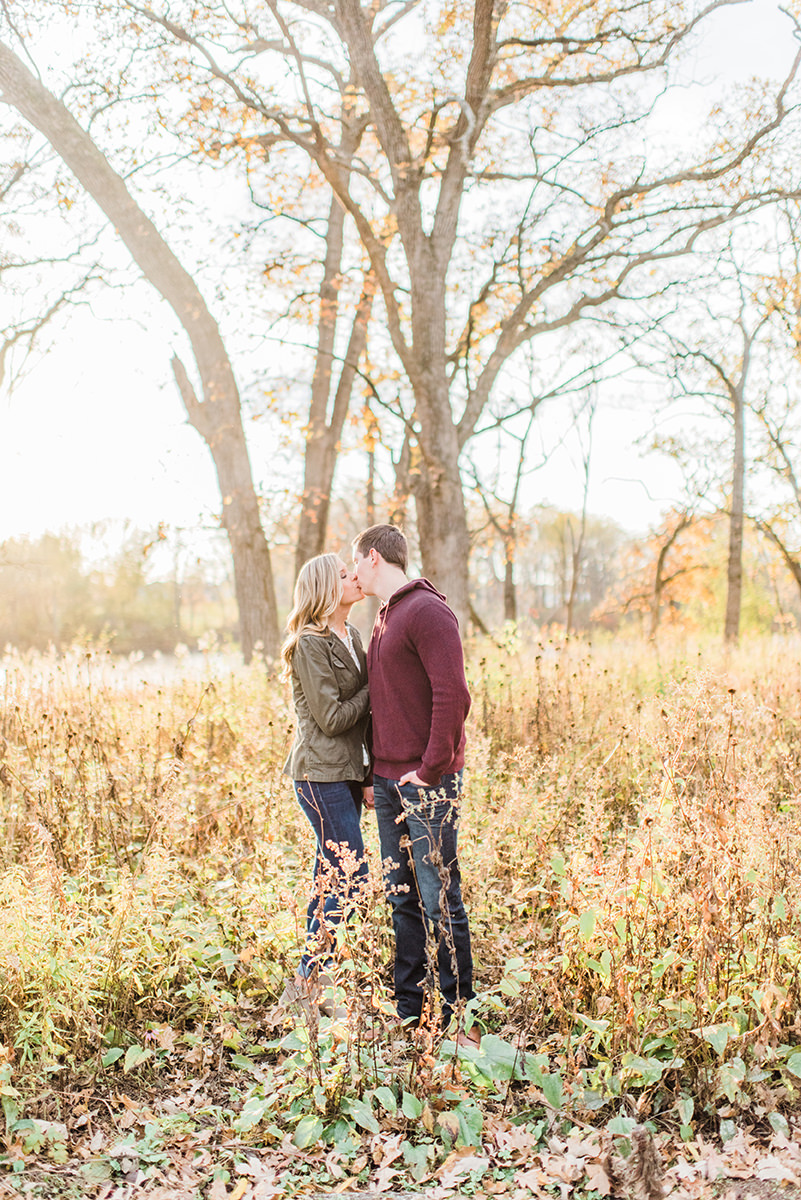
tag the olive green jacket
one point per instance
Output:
(332, 708)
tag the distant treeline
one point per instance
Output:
(52, 595)
(153, 591)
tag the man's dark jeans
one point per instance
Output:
(418, 832)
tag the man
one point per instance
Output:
(419, 699)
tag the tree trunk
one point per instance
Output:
(509, 589)
(659, 583)
(576, 563)
(734, 574)
(324, 436)
(571, 598)
(218, 417)
(443, 533)
(253, 577)
(684, 521)
(576, 548)
(441, 512)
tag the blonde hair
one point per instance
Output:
(318, 592)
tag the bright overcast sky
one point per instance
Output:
(97, 430)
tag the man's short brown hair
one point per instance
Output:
(386, 540)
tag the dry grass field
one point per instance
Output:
(630, 852)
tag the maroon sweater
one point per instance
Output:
(418, 690)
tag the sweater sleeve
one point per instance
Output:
(312, 664)
(439, 646)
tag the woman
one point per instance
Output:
(328, 763)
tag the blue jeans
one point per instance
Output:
(334, 812)
(417, 828)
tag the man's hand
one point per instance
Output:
(413, 777)
(368, 799)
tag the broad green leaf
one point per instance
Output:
(11, 1110)
(308, 1132)
(637, 1069)
(779, 1124)
(244, 1063)
(416, 1159)
(135, 1056)
(600, 1026)
(731, 1075)
(661, 965)
(535, 1067)
(603, 968)
(587, 924)
(298, 1039)
(471, 1122)
(552, 1089)
(558, 865)
(411, 1107)
(387, 1099)
(499, 1059)
(717, 1036)
(728, 1130)
(344, 1137)
(252, 1113)
(621, 1126)
(362, 1114)
(793, 1064)
(112, 1055)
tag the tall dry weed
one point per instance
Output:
(628, 844)
(633, 829)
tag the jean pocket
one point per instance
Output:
(415, 791)
(431, 805)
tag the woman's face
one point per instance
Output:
(351, 592)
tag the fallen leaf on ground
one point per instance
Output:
(772, 1168)
(384, 1178)
(530, 1179)
(598, 1179)
(518, 1139)
(460, 1163)
(562, 1167)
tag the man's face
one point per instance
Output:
(351, 592)
(364, 571)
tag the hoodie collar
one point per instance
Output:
(412, 585)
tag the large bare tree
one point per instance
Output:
(332, 382)
(777, 510)
(716, 357)
(496, 164)
(217, 415)
(733, 380)
(509, 144)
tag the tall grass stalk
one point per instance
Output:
(628, 846)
